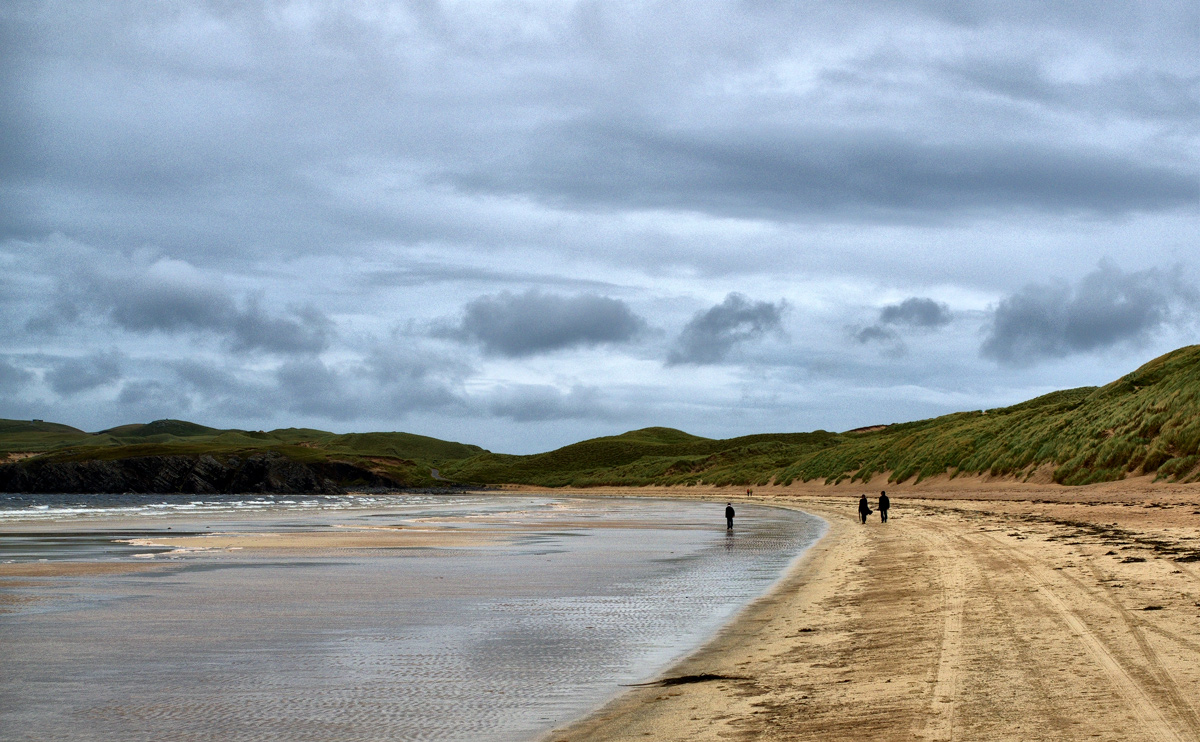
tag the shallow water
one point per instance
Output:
(22, 507)
(501, 641)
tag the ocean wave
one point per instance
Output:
(22, 507)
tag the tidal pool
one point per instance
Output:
(398, 617)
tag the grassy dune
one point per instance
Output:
(1147, 422)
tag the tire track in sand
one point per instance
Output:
(1139, 700)
(1158, 669)
(995, 571)
(940, 725)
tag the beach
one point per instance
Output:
(459, 617)
(983, 610)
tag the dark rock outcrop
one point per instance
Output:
(265, 472)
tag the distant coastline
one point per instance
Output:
(1144, 425)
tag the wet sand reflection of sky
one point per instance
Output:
(501, 640)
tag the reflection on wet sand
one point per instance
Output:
(362, 537)
(343, 626)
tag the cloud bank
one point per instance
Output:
(490, 223)
(172, 296)
(74, 375)
(916, 312)
(713, 333)
(518, 325)
(1107, 307)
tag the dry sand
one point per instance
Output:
(983, 611)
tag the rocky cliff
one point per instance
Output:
(266, 472)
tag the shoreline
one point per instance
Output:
(982, 610)
(626, 713)
(648, 618)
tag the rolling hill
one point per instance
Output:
(176, 455)
(1146, 422)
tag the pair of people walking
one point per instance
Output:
(864, 509)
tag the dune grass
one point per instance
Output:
(1146, 422)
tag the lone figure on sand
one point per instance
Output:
(729, 516)
(863, 508)
(884, 504)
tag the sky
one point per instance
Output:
(524, 224)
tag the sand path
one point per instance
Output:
(952, 622)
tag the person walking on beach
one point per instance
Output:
(863, 508)
(729, 516)
(884, 504)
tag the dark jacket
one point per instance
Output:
(728, 511)
(863, 507)
(884, 502)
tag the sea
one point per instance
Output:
(107, 635)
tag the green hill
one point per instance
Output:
(1147, 422)
(406, 445)
(174, 428)
(18, 427)
(648, 456)
(35, 435)
(400, 457)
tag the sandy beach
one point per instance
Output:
(981, 611)
(984, 610)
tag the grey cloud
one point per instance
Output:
(389, 382)
(1160, 94)
(224, 392)
(536, 402)
(203, 377)
(913, 312)
(169, 295)
(423, 274)
(409, 379)
(172, 296)
(307, 331)
(312, 388)
(711, 334)
(13, 377)
(125, 129)
(875, 334)
(867, 174)
(1107, 307)
(73, 375)
(525, 324)
(386, 385)
(401, 362)
(53, 318)
(147, 398)
(916, 312)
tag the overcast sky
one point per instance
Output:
(522, 224)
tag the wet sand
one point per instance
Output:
(982, 611)
(457, 619)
